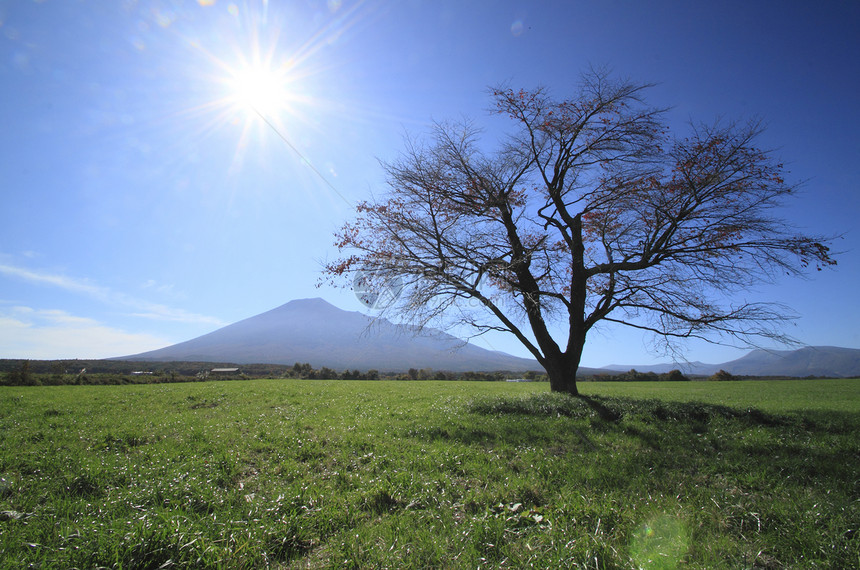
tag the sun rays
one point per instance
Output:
(267, 79)
(257, 73)
(262, 89)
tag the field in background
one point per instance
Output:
(842, 395)
(285, 473)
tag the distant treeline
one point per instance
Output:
(95, 372)
(61, 372)
(635, 376)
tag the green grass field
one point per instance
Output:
(346, 474)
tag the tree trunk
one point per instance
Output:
(561, 371)
(561, 367)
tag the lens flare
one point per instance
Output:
(660, 543)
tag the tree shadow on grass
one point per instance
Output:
(606, 413)
(614, 409)
(649, 420)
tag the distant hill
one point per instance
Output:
(314, 331)
(807, 361)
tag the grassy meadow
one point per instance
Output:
(351, 474)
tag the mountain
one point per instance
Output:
(314, 331)
(807, 361)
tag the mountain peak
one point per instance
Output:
(310, 301)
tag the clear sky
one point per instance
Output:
(144, 203)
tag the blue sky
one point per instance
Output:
(144, 204)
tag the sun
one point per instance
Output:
(260, 88)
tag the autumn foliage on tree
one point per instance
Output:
(588, 211)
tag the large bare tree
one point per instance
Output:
(588, 211)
